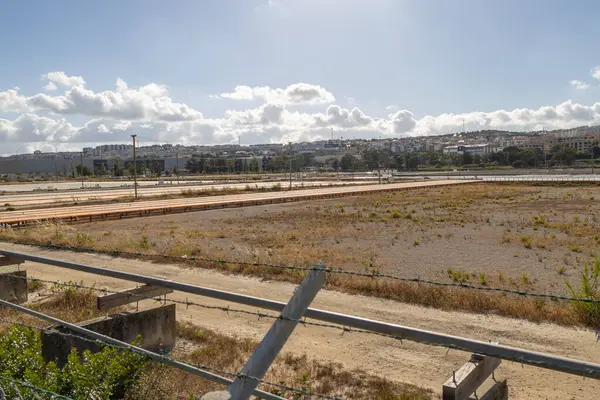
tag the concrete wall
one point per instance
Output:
(157, 327)
(13, 289)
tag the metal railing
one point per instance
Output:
(346, 323)
(530, 178)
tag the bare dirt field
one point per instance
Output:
(399, 361)
(527, 238)
(523, 237)
(519, 237)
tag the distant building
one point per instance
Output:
(473, 149)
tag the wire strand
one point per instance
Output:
(116, 253)
(160, 356)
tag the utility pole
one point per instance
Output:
(134, 169)
(81, 168)
(593, 146)
(177, 157)
(379, 164)
(290, 150)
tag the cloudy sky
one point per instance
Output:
(77, 73)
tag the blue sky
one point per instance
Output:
(424, 57)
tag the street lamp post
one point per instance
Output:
(290, 150)
(81, 168)
(134, 169)
(177, 157)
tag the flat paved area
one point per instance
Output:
(98, 194)
(423, 365)
(154, 207)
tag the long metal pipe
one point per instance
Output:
(542, 360)
(153, 356)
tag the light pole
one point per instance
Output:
(290, 150)
(177, 157)
(134, 169)
(81, 169)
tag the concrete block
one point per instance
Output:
(157, 326)
(130, 296)
(13, 289)
(216, 396)
(6, 260)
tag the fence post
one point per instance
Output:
(264, 355)
(469, 377)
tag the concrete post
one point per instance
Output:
(13, 286)
(272, 343)
(216, 396)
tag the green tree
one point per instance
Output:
(348, 163)
(85, 169)
(335, 164)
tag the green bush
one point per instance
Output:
(588, 313)
(104, 375)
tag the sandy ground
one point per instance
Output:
(423, 365)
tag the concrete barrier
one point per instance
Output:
(157, 327)
(13, 286)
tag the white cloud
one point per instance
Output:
(151, 102)
(51, 86)
(295, 94)
(150, 112)
(596, 72)
(403, 122)
(577, 84)
(60, 78)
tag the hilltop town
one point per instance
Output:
(488, 148)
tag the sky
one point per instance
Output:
(78, 73)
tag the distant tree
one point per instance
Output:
(85, 171)
(253, 166)
(467, 158)
(398, 162)
(335, 164)
(348, 163)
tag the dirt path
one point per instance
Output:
(410, 362)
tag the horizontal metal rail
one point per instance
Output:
(543, 360)
(153, 356)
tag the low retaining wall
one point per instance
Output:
(13, 289)
(156, 326)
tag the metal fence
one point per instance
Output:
(297, 311)
(526, 178)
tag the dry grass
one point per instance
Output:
(68, 304)
(228, 353)
(534, 231)
(198, 345)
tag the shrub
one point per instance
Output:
(84, 240)
(458, 276)
(483, 279)
(107, 374)
(526, 241)
(588, 313)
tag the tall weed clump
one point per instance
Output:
(588, 312)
